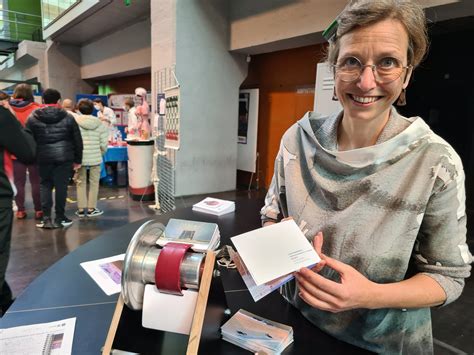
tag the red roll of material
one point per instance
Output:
(167, 270)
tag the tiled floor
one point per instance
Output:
(33, 250)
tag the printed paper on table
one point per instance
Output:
(106, 273)
(53, 338)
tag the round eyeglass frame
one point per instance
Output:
(376, 74)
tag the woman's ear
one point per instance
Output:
(406, 81)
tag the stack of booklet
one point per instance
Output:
(201, 235)
(255, 333)
(214, 206)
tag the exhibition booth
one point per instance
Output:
(129, 157)
(65, 291)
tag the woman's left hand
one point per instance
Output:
(354, 290)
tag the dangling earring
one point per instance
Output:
(402, 99)
(334, 96)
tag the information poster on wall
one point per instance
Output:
(117, 101)
(247, 130)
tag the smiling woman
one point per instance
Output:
(368, 91)
(381, 195)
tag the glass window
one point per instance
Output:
(52, 9)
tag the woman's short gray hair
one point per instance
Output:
(360, 13)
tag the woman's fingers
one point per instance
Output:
(313, 290)
(318, 242)
(318, 281)
(319, 266)
(315, 302)
(318, 246)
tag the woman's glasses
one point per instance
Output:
(385, 71)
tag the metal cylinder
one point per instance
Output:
(140, 263)
(190, 270)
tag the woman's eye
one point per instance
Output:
(351, 62)
(389, 63)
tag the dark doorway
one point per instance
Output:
(442, 91)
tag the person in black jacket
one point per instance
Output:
(13, 140)
(59, 145)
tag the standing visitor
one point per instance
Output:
(68, 105)
(59, 150)
(23, 104)
(95, 140)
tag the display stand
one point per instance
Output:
(140, 161)
(127, 321)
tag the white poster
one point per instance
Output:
(247, 130)
(324, 89)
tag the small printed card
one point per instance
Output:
(107, 273)
(275, 251)
(201, 235)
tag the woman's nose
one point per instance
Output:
(367, 79)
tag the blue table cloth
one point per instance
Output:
(113, 154)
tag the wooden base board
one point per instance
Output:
(198, 318)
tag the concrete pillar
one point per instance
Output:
(63, 70)
(194, 35)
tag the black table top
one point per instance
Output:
(65, 290)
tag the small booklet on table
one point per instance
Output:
(201, 235)
(214, 206)
(267, 257)
(255, 333)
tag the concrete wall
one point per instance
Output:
(210, 77)
(257, 23)
(64, 70)
(163, 35)
(37, 51)
(125, 50)
(52, 64)
(29, 62)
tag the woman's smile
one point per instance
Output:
(364, 101)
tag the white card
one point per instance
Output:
(106, 273)
(273, 251)
(167, 312)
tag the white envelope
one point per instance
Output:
(273, 251)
